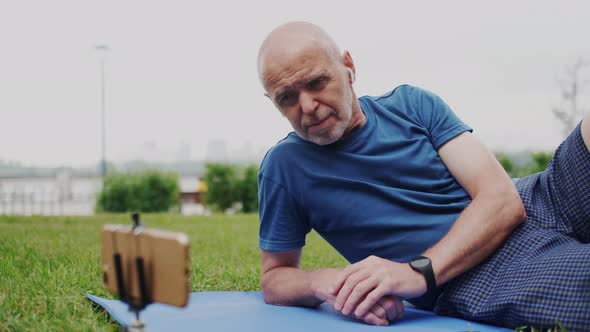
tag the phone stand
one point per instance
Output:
(135, 305)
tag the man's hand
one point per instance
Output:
(362, 285)
(382, 312)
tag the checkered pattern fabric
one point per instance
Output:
(541, 275)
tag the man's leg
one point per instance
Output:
(538, 278)
(564, 187)
(541, 273)
(586, 130)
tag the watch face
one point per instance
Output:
(420, 263)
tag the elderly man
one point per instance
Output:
(418, 206)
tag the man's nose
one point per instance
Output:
(307, 102)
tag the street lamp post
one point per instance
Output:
(102, 50)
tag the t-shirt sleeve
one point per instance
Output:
(282, 224)
(437, 117)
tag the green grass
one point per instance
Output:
(49, 264)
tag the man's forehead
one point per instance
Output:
(296, 79)
(288, 77)
(285, 53)
(282, 68)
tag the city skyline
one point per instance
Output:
(184, 74)
(151, 153)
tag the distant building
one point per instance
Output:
(192, 201)
(217, 151)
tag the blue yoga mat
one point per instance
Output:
(246, 311)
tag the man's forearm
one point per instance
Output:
(482, 227)
(294, 287)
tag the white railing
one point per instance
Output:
(64, 195)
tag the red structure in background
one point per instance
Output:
(196, 196)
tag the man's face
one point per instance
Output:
(313, 91)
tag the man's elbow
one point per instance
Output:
(268, 293)
(515, 209)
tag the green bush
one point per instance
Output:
(221, 181)
(248, 189)
(540, 161)
(149, 191)
(230, 184)
(506, 163)
(535, 162)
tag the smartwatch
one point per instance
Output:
(423, 265)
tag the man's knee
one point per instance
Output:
(586, 130)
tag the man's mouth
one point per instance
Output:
(318, 126)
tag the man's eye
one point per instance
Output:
(286, 100)
(316, 84)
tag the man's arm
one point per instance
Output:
(284, 283)
(495, 211)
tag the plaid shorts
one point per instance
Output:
(541, 275)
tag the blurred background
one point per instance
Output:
(106, 105)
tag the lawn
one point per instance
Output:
(49, 264)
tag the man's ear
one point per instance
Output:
(349, 64)
(350, 75)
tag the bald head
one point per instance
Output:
(293, 38)
(310, 82)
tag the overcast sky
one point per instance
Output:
(182, 74)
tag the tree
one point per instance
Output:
(148, 191)
(157, 191)
(570, 113)
(506, 163)
(230, 184)
(540, 161)
(248, 187)
(221, 180)
(518, 168)
(117, 194)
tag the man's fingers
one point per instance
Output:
(393, 306)
(342, 277)
(371, 318)
(400, 308)
(359, 291)
(379, 311)
(370, 299)
(349, 285)
(330, 299)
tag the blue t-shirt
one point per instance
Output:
(383, 190)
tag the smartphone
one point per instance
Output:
(163, 254)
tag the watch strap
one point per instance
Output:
(428, 273)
